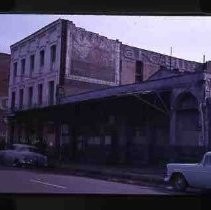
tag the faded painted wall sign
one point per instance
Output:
(158, 59)
(94, 54)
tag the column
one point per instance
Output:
(124, 138)
(57, 149)
(10, 132)
(150, 139)
(172, 133)
(73, 143)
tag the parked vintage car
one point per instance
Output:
(196, 175)
(23, 155)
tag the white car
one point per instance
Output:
(197, 175)
(22, 155)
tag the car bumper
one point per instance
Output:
(27, 162)
(166, 179)
(34, 162)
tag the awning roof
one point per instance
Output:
(149, 86)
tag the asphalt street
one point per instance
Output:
(26, 181)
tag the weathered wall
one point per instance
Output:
(4, 83)
(33, 44)
(4, 72)
(93, 55)
(128, 71)
(72, 87)
(152, 62)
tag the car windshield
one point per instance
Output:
(207, 160)
(23, 148)
(33, 149)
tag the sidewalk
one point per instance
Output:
(147, 175)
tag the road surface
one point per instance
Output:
(26, 181)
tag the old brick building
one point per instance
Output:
(96, 99)
(4, 81)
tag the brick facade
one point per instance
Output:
(4, 81)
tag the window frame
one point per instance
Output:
(32, 66)
(53, 50)
(42, 58)
(23, 67)
(30, 96)
(40, 96)
(21, 101)
(15, 69)
(13, 99)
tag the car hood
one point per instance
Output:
(180, 165)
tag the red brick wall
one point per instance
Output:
(152, 62)
(93, 55)
(128, 70)
(72, 87)
(4, 73)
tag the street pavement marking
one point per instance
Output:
(46, 183)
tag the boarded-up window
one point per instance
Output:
(139, 71)
(94, 140)
(107, 140)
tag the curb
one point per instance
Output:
(131, 178)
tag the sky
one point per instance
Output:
(189, 37)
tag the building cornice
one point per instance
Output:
(33, 35)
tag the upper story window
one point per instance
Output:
(31, 63)
(30, 96)
(51, 92)
(53, 53)
(139, 71)
(40, 94)
(15, 69)
(42, 58)
(23, 64)
(21, 98)
(13, 100)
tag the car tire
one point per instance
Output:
(1, 160)
(16, 163)
(179, 183)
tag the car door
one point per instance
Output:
(205, 174)
(193, 175)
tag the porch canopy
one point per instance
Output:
(152, 86)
